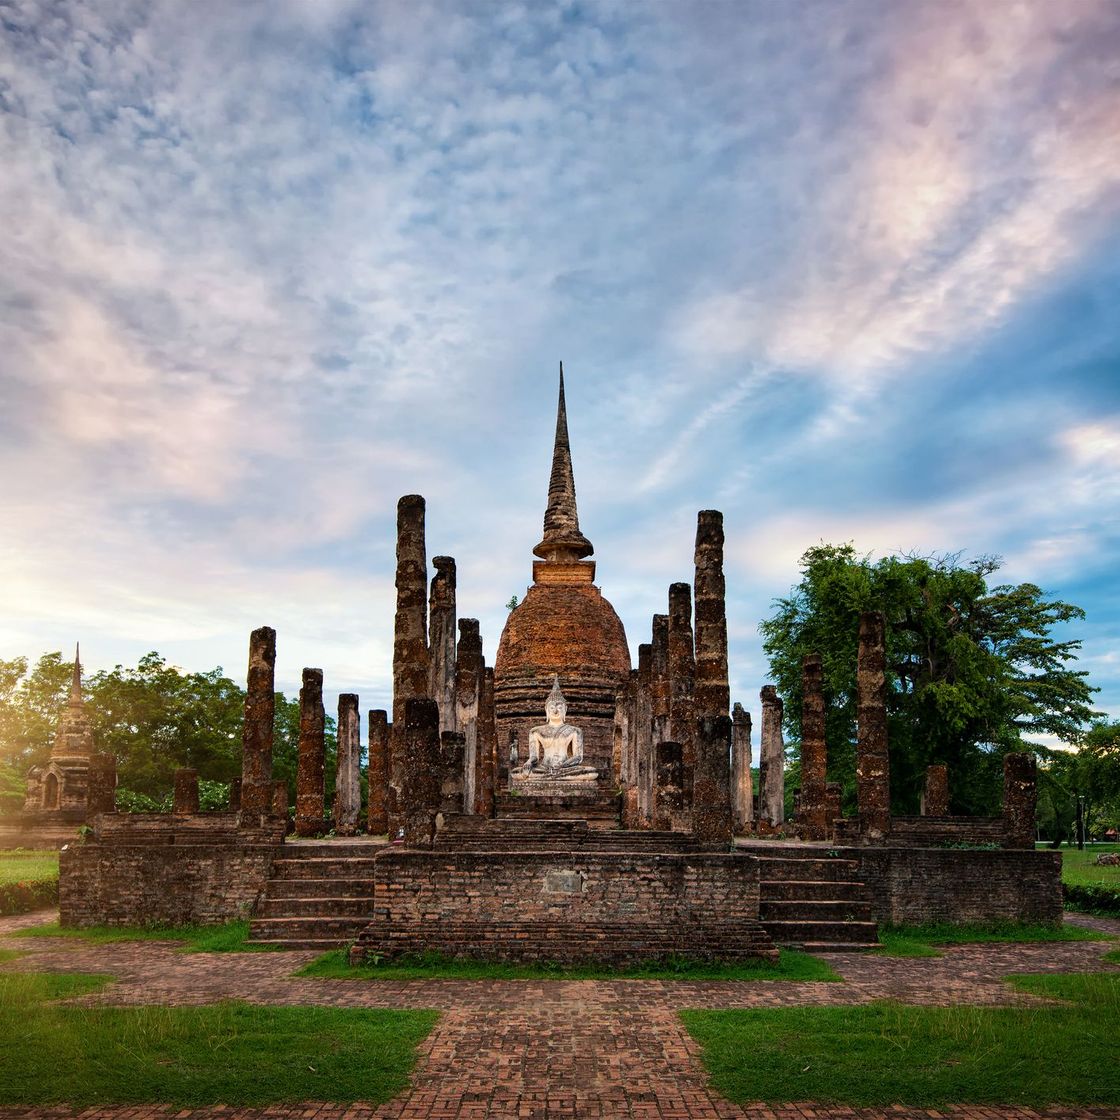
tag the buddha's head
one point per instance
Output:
(556, 707)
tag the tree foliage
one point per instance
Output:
(154, 718)
(973, 671)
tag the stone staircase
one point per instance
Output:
(319, 896)
(468, 833)
(811, 899)
(601, 811)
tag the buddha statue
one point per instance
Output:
(556, 747)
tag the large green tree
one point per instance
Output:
(973, 670)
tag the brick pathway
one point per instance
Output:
(547, 1049)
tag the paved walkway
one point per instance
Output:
(553, 1048)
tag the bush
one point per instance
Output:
(1094, 899)
(27, 895)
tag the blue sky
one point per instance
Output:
(845, 271)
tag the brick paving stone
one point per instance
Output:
(546, 1049)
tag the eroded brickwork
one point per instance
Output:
(1020, 794)
(422, 771)
(935, 792)
(712, 693)
(742, 781)
(670, 794)
(812, 815)
(347, 807)
(486, 773)
(441, 641)
(377, 820)
(873, 773)
(257, 729)
(310, 792)
(184, 797)
(772, 759)
(711, 786)
(682, 672)
(468, 696)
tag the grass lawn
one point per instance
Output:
(889, 1053)
(920, 941)
(28, 880)
(230, 1053)
(433, 966)
(229, 937)
(1078, 868)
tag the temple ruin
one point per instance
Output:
(563, 803)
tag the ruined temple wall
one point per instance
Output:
(909, 886)
(518, 905)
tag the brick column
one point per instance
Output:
(711, 784)
(669, 792)
(712, 694)
(451, 749)
(644, 746)
(378, 772)
(310, 792)
(279, 805)
(486, 780)
(935, 794)
(441, 641)
(659, 678)
(422, 764)
(185, 797)
(682, 673)
(742, 781)
(102, 791)
(347, 806)
(257, 729)
(468, 694)
(772, 759)
(410, 642)
(873, 770)
(812, 816)
(1020, 793)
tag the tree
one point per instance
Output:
(973, 670)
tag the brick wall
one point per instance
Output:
(565, 906)
(149, 868)
(929, 832)
(909, 886)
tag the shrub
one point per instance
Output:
(1095, 899)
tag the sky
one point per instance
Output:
(843, 270)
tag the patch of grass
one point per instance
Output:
(9, 954)
(187, 1057)
(1112, 957)
(1078, 868)
(888, 1053)
(230, 937)
(919, 941)
(28, 880)
(434, 966)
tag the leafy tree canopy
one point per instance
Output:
(973, 670)
(154, 718)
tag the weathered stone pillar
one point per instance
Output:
(185, 796)
(935, 795)
(235, 794)
(486, 780)
(310, 792)
(711, 783)
(280, 800)
(669, 791)
(873, 768)
(451, 767)
(1020, 794)
(682, 673)
(712, 693)
(257, 729)
(410, 644)
(102, 790)
(659, 678)
(347, 806)
(377, 776)
(468, 694)
(742, 782)
(625, 752)
(812, 817)
(441, 641)
(772, 759)
(422, 765)
(645, 747)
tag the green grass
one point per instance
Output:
(28, 880)
(1078, 868)
(433, 966)
(18, 865)
(888, 1053)
(230, 937)
(9, 954)
(920, 941)
(187, 1057)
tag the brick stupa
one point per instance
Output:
(563, 628)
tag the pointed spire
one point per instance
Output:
(562, 539)
(76, 683)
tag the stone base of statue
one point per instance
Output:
(546, 781)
